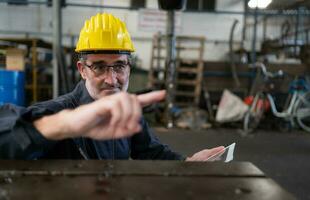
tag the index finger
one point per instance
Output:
(151, 97)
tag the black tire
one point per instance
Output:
(251, 122)
(284, 126)
(254, 115)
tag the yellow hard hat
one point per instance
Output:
(104, 32)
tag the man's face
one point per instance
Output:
(105, 74)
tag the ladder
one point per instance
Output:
(189, 68)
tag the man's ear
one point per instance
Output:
(81, 69)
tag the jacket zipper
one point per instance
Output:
(83, 154)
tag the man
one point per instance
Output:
(20, 136)
(95, 120)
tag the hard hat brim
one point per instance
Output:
(105, 52)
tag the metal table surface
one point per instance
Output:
(72, 179)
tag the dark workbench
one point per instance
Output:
(65, 179)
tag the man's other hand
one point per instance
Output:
(205, 154)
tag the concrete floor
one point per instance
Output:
(285, 157)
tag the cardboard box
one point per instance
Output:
(15, 59)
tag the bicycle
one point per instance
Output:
(298, 109)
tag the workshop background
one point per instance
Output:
(220, 50)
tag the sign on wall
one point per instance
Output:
(154, 20)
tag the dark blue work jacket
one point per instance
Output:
(19, 139)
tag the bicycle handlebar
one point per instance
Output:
(266, 73)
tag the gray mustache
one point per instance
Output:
(105, 86)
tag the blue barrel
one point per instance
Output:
(12, 87)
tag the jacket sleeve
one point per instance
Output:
(19, 139)
(146, 146)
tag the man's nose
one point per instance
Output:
(110, 76)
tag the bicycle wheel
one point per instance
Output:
(251, 122)
(253, 116)
(302, 111)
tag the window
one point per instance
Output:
(18, 2)
(62, 3)
(200, 5)
(192, 5)
(136, 4)
(208, 5)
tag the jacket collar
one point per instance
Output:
(81, 93)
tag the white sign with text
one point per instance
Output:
(156, 20)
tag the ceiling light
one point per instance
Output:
(259, 3)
